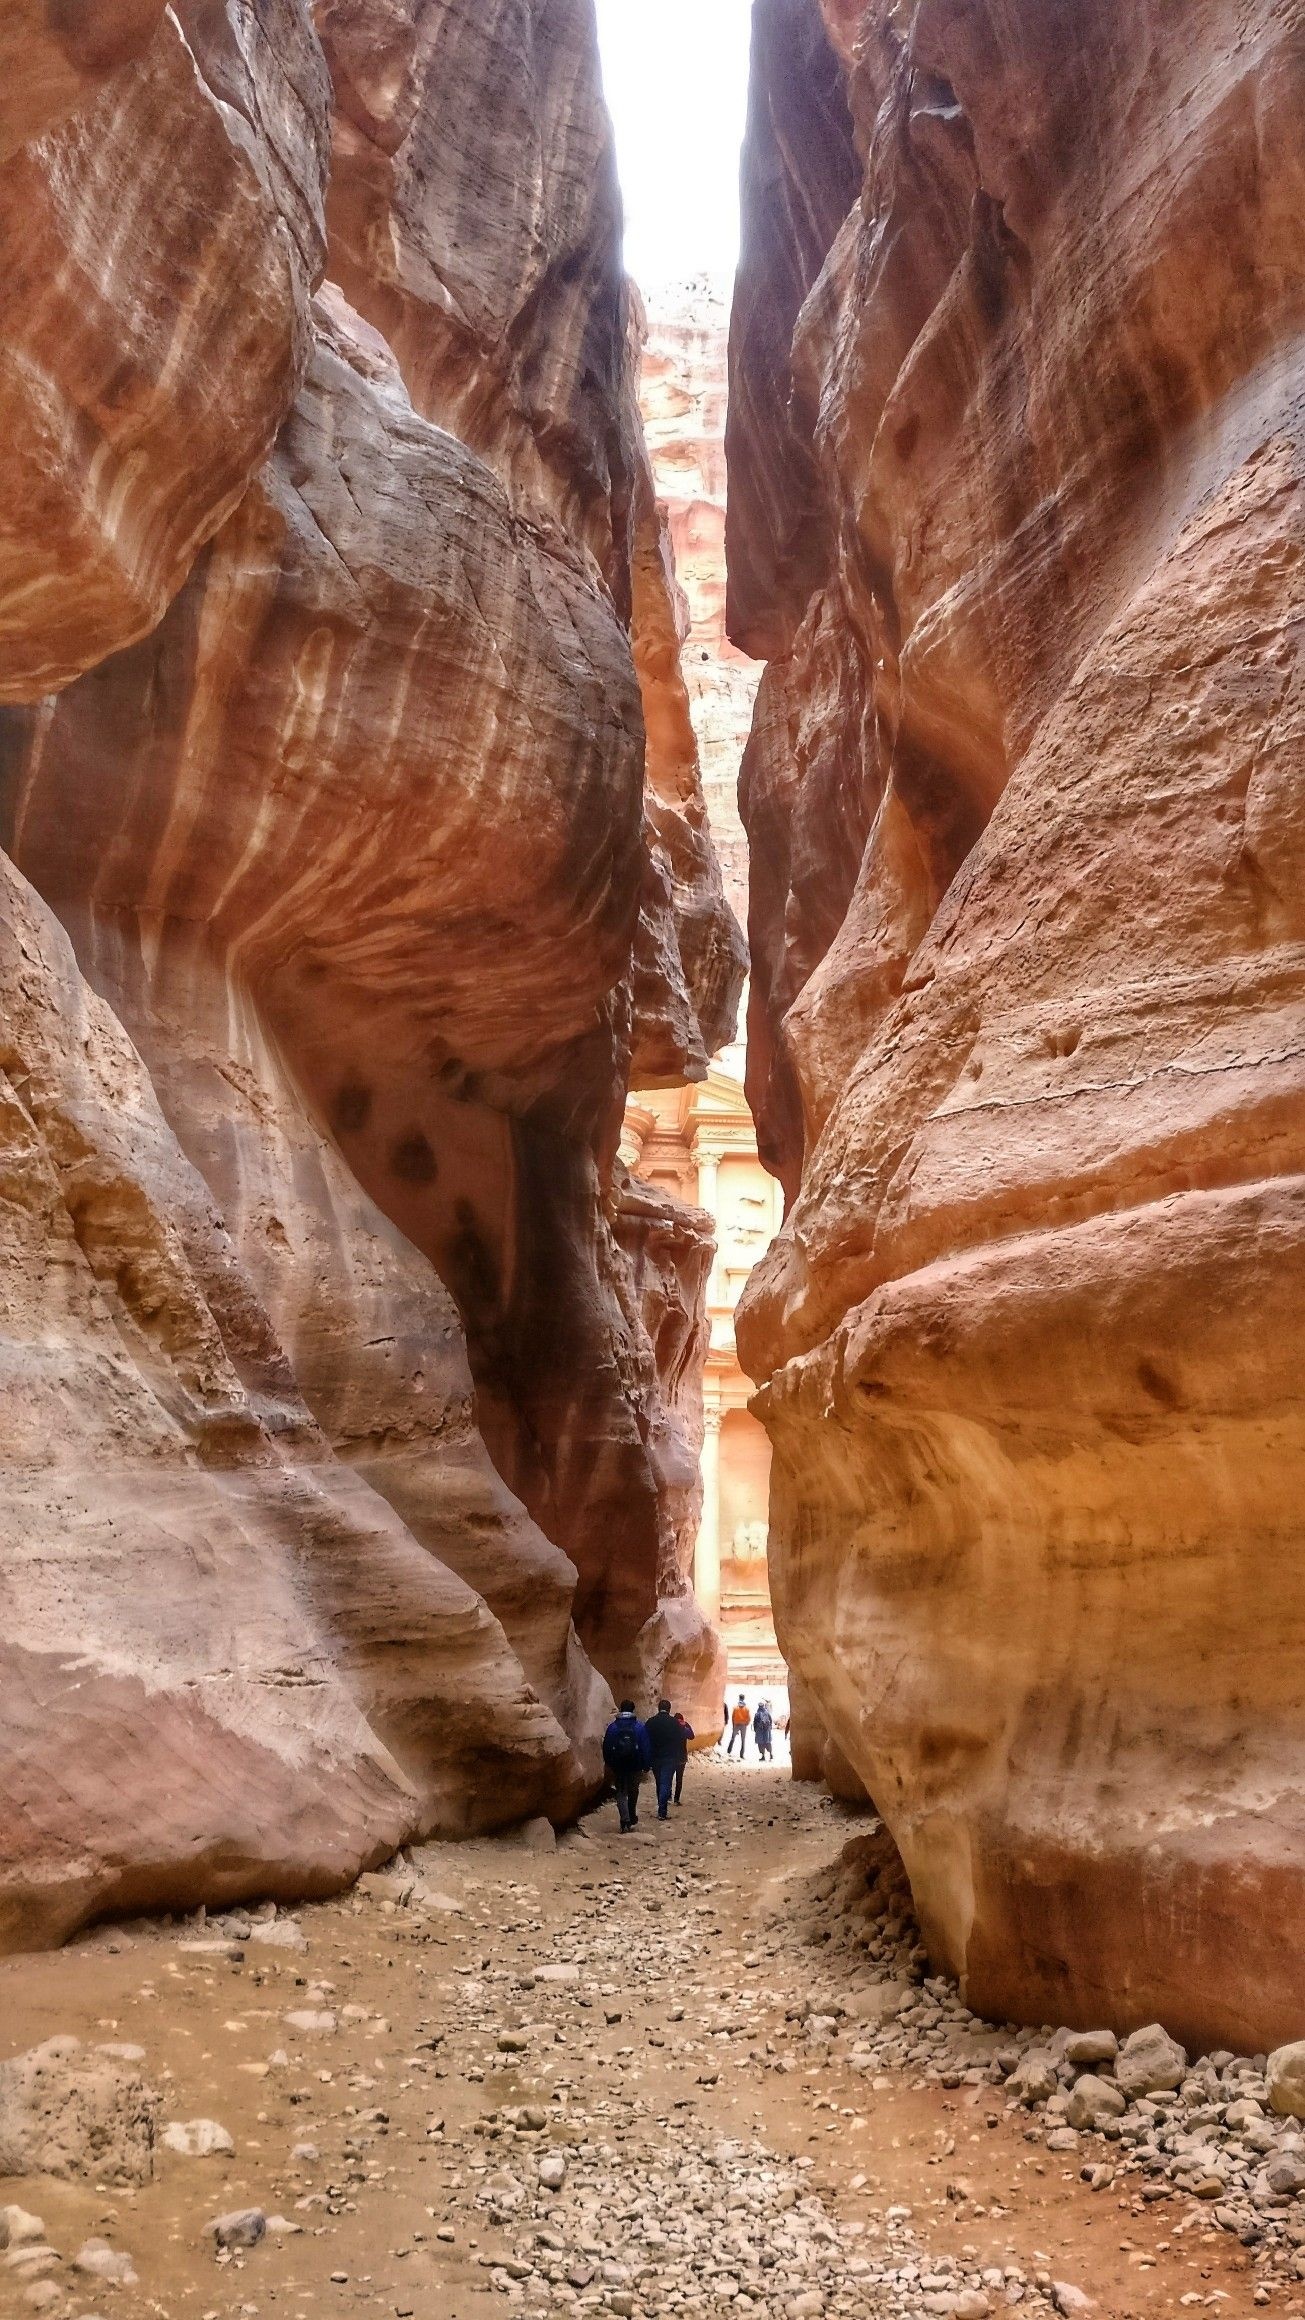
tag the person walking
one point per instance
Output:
(739, 1722)
(627, 1756)
(669, 1750)
(763, 1732)
(689, 1737)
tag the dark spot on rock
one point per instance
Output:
(412, 1159)
(1154, 1382)
(352, 1108)
(907, 436)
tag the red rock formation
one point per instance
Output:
(690, 959)
(682, 399)
(475, 220)
(1026, 799)
(134, 416)
(226, 1666)
(668, 1248)
(351, 842)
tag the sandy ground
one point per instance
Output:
(395, 2100)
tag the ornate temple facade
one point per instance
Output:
(699, 1143)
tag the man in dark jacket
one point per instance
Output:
(668, 1746)
(627, 1756)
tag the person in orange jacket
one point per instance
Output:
(739, 1723)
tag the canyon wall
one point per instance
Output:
(682, 398)
(336, 1482)
(1017, 513)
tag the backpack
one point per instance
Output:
(626, 1754)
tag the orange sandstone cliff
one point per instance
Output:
(1017, 518)
(334, 1442)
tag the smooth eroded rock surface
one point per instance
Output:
(334, 1432)
(161, 233)
(1026, 796)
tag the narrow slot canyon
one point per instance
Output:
(652, 838)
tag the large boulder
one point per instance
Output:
(1285, 2079)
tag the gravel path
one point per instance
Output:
(696, 2071)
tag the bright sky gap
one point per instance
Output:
(676, 75)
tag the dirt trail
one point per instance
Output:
(710, 2157)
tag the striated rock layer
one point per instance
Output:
(333, 1423)
(1021, 530)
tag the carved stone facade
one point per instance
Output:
(699, 1143)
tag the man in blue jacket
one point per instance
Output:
(627, 1756)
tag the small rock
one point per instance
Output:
(1035, 2078)
(1150, 2062)
(1286, 2174)
(242, 2228)
(1086, 2047)
(69, 2110)
(1069, 2300)
(279, 1933)
(18, 2228)
(1093, 2100)
(98, 2261)
(443, 1904)
(314, 2021)
(552, 2170)
(1209, 2186)
(1285, 2078)
(1062, 2139)
(971, 2304)
(308, 2153)
(28, 2263)
(198, 2139)
(539, 1835)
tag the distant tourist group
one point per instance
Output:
(760, 1723)
(661, 1746)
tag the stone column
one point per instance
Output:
(708, 1194)
(706, 1553)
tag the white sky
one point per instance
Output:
(676, 75)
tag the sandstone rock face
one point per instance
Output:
(690, 955)
(332, 1419)
(181, 146)
(474, 219)
(682, 393)
(668, 1249)
(190, 1577)
(1026, 798)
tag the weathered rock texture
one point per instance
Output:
(682, 399)
(668, 1247)
(161, 240)
(1022, 531)
(331, 1413)
(76, 2111)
